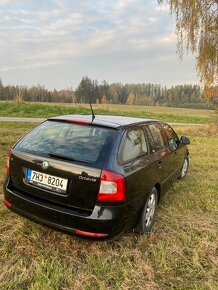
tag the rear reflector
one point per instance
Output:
(9, 162)
(7, 202)
(88, 234)
(112, 187)
(79, 122)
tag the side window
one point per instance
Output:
(156, 138)
(171, 136)
(134, 146)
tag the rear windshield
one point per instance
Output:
(68, 141)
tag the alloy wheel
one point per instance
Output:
(184, 168)
(150, 210)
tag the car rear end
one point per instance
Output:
(57, 176)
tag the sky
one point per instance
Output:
(56, 42)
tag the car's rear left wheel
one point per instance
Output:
(147, 216)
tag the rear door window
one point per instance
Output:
(134, 146)
(85, 143)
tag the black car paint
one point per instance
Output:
(79, 210)
(63, 169)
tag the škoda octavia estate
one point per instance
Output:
(96, 176)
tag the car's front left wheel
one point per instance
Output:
(147, 216)
(185, 167)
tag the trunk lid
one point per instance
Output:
(82, 180)
(75, 153)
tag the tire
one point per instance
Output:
(184, 169)
(146, 220)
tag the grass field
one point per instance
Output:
(44, 110)
(181, 252)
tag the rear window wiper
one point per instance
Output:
(64, 157)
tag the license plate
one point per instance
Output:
(46, 181)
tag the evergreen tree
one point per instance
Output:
(87, 91)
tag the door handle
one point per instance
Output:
(159, 164)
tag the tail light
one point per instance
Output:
(112, 187)
(9, 162)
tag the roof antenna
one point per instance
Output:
(93, 115)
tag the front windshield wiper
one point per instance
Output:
(64, 157)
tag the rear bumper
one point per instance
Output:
(106, 220)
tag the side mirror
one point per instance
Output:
(184, 140)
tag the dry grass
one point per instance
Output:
(181, 252)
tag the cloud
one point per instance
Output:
(74, 34)
(28, 66)
(5, 1)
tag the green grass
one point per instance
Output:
(13, 109)
(181, 253)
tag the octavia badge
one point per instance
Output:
(45, 165)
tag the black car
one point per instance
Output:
(97, 177)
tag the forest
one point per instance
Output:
(145, 94)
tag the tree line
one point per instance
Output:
(116, 93)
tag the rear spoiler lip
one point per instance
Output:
(85, 123)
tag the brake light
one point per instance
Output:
(112, 187)
(89, 234)
(78, 122)
(9, 162)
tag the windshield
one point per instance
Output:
(68, 141)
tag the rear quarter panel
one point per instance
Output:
(140, 177)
